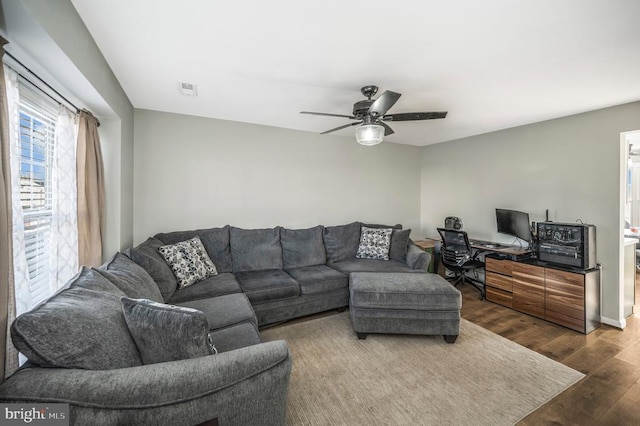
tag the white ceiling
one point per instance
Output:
(492, 64)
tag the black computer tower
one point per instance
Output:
(569, 244)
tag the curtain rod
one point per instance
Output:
(48, 85)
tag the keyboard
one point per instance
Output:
(487, 244)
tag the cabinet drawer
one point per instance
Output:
(564, 299)
(528, 270)
(502, 282)
(564, 282)
(497, 265)
(529, 289)
(566, 303)
(498, 296)
(563, 318)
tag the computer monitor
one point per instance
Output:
(513, 222)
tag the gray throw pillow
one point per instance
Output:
(341, 242)
(165, 332)
(399, 244)
(81, 326)
(130, 278)
(189, 261)
(302, 247)
(374, 243)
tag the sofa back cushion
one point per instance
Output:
(399, 244)
(379, 226)
(255, 249)
(81, 326)
(147, 256)
(302, 247)
(130, 278)
(214, 240)
(341, 242)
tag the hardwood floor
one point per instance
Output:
(610, 358)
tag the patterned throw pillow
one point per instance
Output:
(165, 332)
(374, 243)
(189, 261)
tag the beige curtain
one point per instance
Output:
(91, 199)
(8, 354)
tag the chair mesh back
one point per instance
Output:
(455, 249)
(452, 257)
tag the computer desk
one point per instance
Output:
(493, 247)
(481, 246)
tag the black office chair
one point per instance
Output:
(456, 254)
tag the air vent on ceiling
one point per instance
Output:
(189, 89)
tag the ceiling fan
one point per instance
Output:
(371, 115)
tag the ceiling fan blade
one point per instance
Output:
(384, 103)
(387, 130)
(410, 116)
(351, 117)
(341, 127)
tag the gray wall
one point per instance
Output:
(570, 166)
(198, 172)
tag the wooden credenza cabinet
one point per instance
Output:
(563, 297)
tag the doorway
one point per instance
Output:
(631, 233)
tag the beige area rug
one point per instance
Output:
(482, 379)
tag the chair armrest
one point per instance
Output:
(246, 386)
(417, 258)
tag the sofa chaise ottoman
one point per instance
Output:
(404, 303)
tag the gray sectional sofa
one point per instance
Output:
(285, 273)
(81, 350)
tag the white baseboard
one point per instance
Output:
(618, 323)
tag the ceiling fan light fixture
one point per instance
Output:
(369, 134)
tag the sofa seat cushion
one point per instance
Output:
(318, 279)
(370, 265)
(215, 286)
(269, 285)
(302, 247)
(236, 337)
(255, 249)
(130, 278)
(166, 333)
(224, 311)
(81, 326)
(341, 242)
(214, 240)
(147, 255)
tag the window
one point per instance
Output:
(37, 138)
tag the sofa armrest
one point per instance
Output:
(247, 386)
(418, 258)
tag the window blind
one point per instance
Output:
(37, 138)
